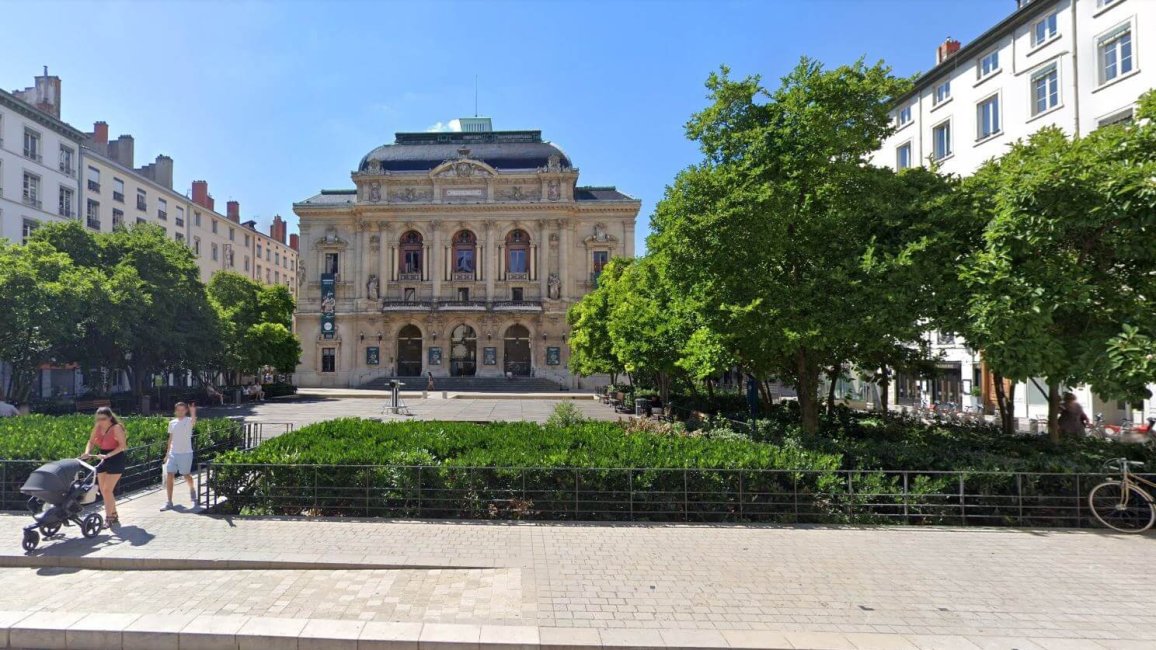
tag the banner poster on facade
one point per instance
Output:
(372, 356)
(328, 305)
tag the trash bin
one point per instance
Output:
(640, 406)
(237, 396)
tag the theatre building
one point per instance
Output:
(455, 254)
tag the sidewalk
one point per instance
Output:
(576, 585)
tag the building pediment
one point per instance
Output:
(463, 167)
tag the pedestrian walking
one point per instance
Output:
(179, 451)
(1073, 421)
(429, 385)
(7, 410)
(108, 436)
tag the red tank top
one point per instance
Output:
(107, 439)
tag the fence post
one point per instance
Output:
(1020, 498)
(906, 513)
(962, 506)
(315, 490)
(576, 493)
(368, 475)
(419, 503)
(630, 490)
(685, 494)
(850, 494)
(741, 515)
(795, 493)
(1079, 505)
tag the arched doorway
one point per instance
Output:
(463, 351)
(409, 346)
(517, 352)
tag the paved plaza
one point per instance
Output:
(660, 585)
(318, 405)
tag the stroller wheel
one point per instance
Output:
(31, 539)
(49, 531)
(91, 525)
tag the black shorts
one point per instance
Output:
(113, 464)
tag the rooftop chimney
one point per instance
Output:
(233, 211)
(100, 135)
(44, 96)
(159, 172)
(201, 194)
(277, 230)
(295, 241)
(122, 150)
(946, 50)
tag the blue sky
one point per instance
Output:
(270, 102)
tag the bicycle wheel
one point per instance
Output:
(1128, 510)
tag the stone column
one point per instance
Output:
(491, 257)
(540, 255)
(564, 258)
(434, 265)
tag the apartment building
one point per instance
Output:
(39, 159)
(1075, 64)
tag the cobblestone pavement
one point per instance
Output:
(310, 409)
(985, 587)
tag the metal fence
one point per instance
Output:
(144, 464)
(652, 494)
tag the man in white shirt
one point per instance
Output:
(179, 456)
(6, 409)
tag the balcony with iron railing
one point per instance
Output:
(461, 305)
(33, 201)
(67, 170)
(162, 215)
(426, 304)
(406, 305)
(117, 196)
(93, 186)
(93, 222)
(65, 210)
(141, 204)
(33, 155)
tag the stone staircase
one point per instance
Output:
(472, 384)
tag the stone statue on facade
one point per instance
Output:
(375, 192)
(600, 232)
(373, 287)
(554, 287)
(300, 274)
(553, 190)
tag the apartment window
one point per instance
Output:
(32, 190)
(1045, 90)
(180, 220)
(941, 141)
(65, 207)
(214, 252)
(29, 227)
(600, 260)
(214, 228)
(140, 221)
(328, 359)
(246, 264)
(942, 93)
(268, 254)
(259, 249)
(904, 117)
(409, 295)
(988, 65)
(93, 179)
(197, 246)
(162, 210)
(258, 273)
(232, 234)
(117, 190)
(517, 294)
(277, 258)
(1115, 51)
(142, 201)
(179, 236)
(277, 277)
(332, 264)
(246, 241)
(1044, 30)
(463, 294)
(197, 219)
(903, 156)
(32, 144)
(117, 217)
(268, 276)
(92, 213)
(987, 118)
(66, 156)
(1122, 117)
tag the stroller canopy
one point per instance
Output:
(50, 483)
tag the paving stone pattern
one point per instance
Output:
(989, 585)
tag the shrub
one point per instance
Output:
(565, 414)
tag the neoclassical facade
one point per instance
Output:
(456, 254)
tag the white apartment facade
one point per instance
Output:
(1075, 64)
(39, 160)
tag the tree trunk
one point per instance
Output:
(808, 387)
(1054, 411)
(832, 382)
(884, 386)
(1005, 401)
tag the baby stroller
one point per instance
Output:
(60, 490)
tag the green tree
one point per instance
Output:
(270, 344)
(768, 234)
(1063, 287)
(591, 349)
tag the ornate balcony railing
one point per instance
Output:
(517, 276)
(461, 305)
(409, 277)
(517, 305)
(406, 305)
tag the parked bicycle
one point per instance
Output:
(1122, 504)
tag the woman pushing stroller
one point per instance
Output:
(108, 436)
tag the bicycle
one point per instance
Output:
(1121, 504)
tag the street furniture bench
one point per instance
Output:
(90, 405)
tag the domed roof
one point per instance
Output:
(502, 150)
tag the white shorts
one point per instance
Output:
(179, 464)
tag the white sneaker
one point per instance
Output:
(168, 506)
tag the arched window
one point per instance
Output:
(411, 255)
(518, 252)
(465, 253)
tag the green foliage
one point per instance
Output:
(591, 349)
(256, 321)
(45, 437)
(565, 415)
(270, 344)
